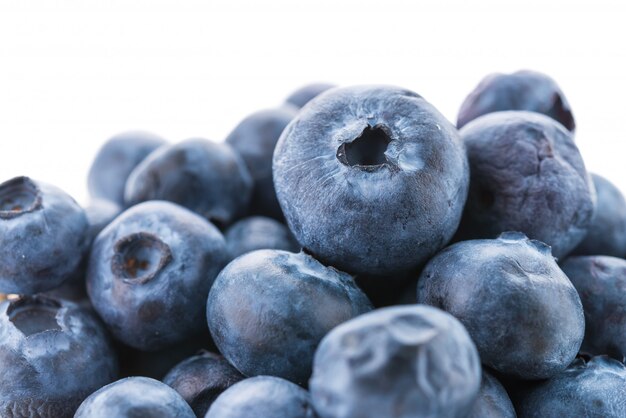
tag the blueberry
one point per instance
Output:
(492, 401)
(258, 233)
(590, 390)
(255, 139)
(115, 160)
(519, 307)
(99, 214)
(202, 378)
(42, 236)
(268, 310)
(205, 177)
(607, 233)
(526, 175)
(371, 179)
(402, 362)
(150, 272)
(600, 281)
(135, 397)
(306, 93)
(522, 90)
(53, 355)
(263, 397)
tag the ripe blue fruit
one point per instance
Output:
(519, 307)
(371, 179)
(492, 401)
(258, 233)
(306, 93)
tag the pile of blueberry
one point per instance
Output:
(349, 254)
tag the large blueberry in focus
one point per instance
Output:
(255, 139)
(601, 284)
(114, 162)
(202, 378)
(306, 93)
(263, 397)
(269, 309)
(53, 355)
(150, 272)
(526, 175)
(522, 90)
(607, 233)
(519, 307)
(42, 236)
(208, 178)
(492, 401)
(258, 233)
(403, 362)
(135, 397)
(371, 179)
(593, 389)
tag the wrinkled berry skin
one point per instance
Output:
(522, 90)
(281, 304)
(135, 397)
(526, 175)
(519, 307)
(306, 93)
(371, 179)
(403, 362)
(586, 390)
(202, 378)
(150, 272)
(259, 233)
(54, 354)
(205, 177)
(255, 139)
(42, 236)
(607, 233)
(600, 282)
(263, 397)
(492, 401)
(114, 162)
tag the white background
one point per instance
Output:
(73, 73)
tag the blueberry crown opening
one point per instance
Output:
(18, 196)
(35, 314)
(140, 257)
(367, 150)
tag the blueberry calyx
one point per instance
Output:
(34, 314)
(367, 151)
(140, 257)
(18, 196)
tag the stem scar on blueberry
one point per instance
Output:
(140, 257)
(367, 151)
(18, 196)
(34, 314)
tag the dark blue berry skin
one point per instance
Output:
(255, 139)
(492, 401)
(371, 179)
(402, 362)
(584, 390)
(306, 93)
(519, 307)
(208, 178)
(42, 236)
(522, 90)
(600, 282)
(259, 233)
(150, 272)
(114, 162)
(202, 378)
(280, 304)
(527, 175)
(263, 397)
(135, 397)
(607, 233)
(53, 355)
(99, 214)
